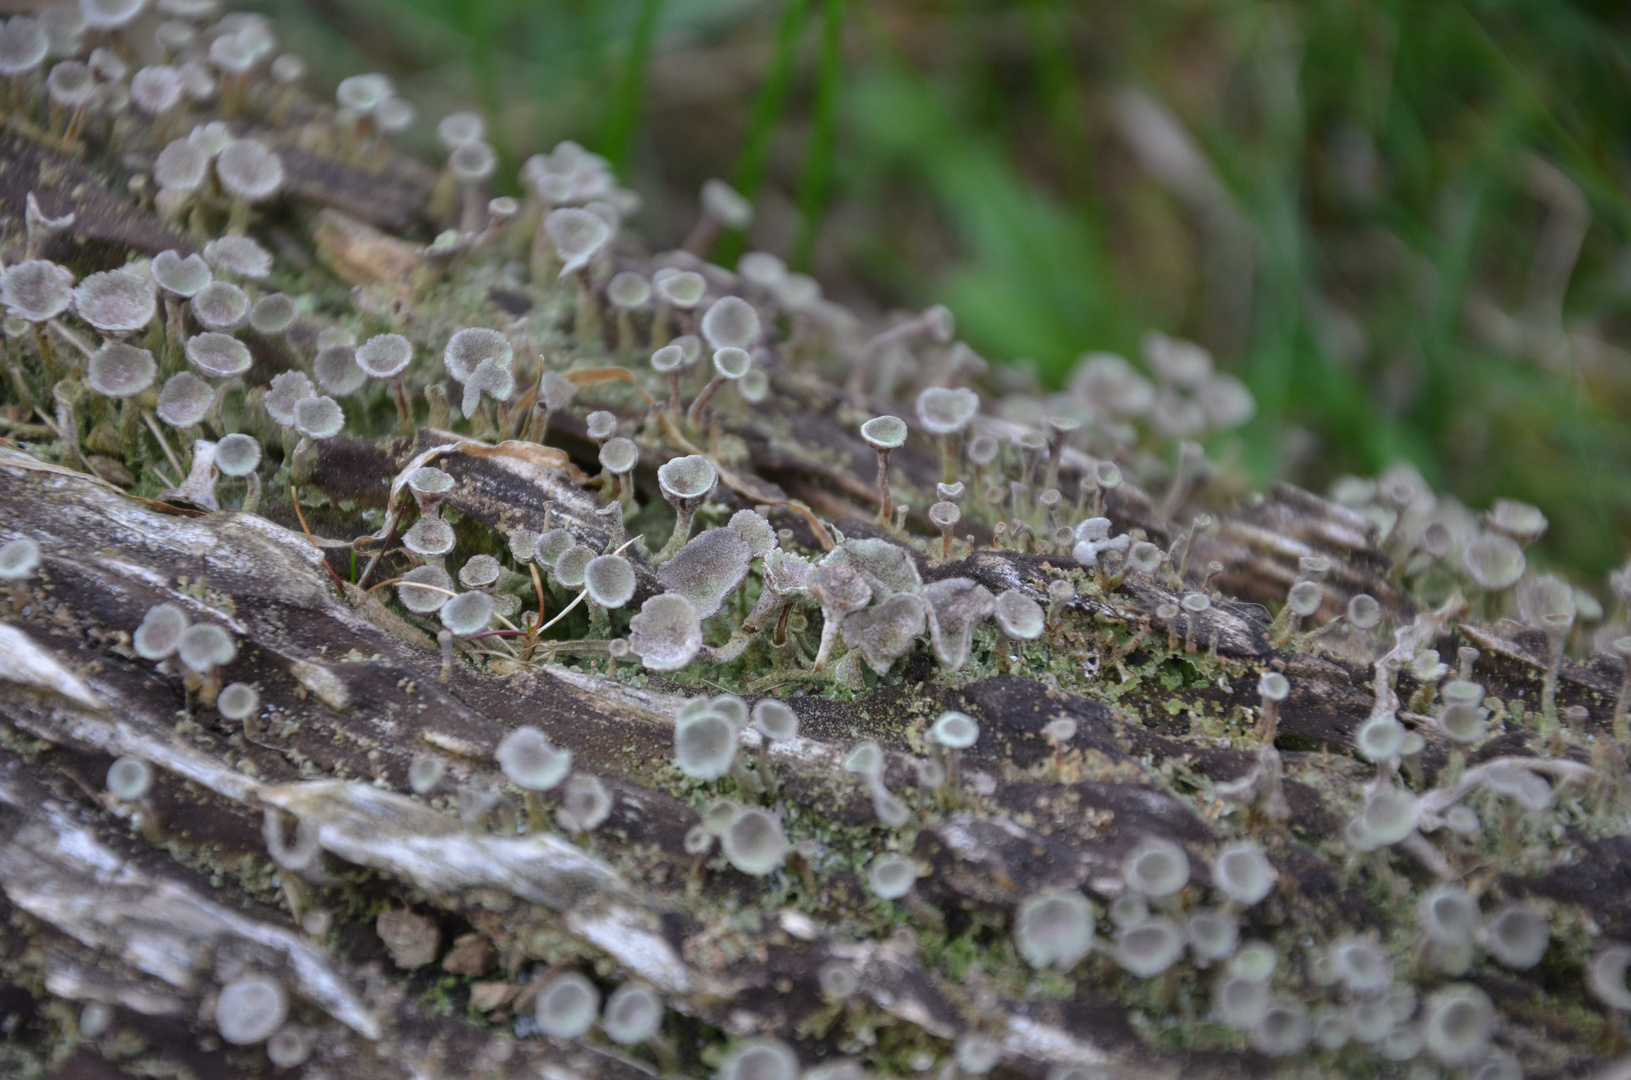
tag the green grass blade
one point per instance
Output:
(818, 159)
(767, 112)
(623, 115)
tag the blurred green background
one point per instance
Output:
(1404, 224)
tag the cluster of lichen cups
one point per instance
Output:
(128, 386)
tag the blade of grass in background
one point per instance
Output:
(767, 113)
(818, 156)
(623, 116)
(1048, 24)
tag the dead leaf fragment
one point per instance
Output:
(472, 954)
(488, 996)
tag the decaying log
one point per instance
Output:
(150, 907)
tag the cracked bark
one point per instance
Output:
(98, 913)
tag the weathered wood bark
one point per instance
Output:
(149, 907)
